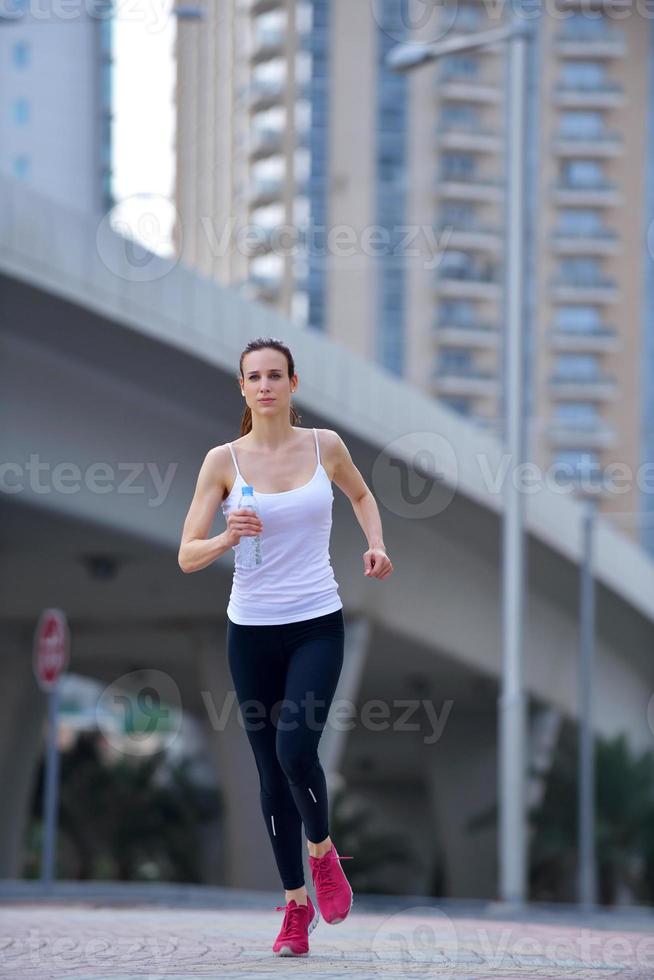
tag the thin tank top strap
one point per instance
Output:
(315, 434)
(231, 449)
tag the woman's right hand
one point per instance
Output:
(242, 522)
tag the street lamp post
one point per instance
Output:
(586, 872)
(512, 837)
(586, 843)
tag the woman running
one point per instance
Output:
(285, 627)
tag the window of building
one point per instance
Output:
(107, 189)
(106, 72)
(577, 414)
(579, 221)
(579, 123)
(578, 24)
(583, 74)
(457, 265)
(461, 405)
(455, 360)
(578, 318)
(13, 10)
(457, 312)
(461, 214)
(455, 166)
(459, 115)
(21, 111)
(468, 15)
(270, 27)
(581, 461)
(390, 116)
(580, 270)
(583, 173)
(21, 166)
(573, 366)
(459, 66)
(20, 54)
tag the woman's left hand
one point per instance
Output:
(377, 564)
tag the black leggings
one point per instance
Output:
(285, 677)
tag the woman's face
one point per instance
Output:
(265, 376)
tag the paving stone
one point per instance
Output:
(60, 940)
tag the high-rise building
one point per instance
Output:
(370, 205)
(55, 99)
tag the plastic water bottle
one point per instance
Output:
(249, 546)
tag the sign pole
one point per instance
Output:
(50, 659)
(51, 795)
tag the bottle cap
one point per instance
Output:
(247, 489)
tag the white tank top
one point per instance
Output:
(295, 579)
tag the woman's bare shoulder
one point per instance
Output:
(329, 438)
(219, 460)
(329, 441)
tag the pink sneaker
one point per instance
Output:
(299, 921)
(333, 892)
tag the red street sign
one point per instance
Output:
(51, 648)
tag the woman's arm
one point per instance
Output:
(195, 550)
(348, 478)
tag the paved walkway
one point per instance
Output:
(62, 938)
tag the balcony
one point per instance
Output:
(457, 88)
(607, 95)
(600, 340)
(602, 145)
(266, 287)
(266, 143)
(599, 386)
(591, 477)
(581, 434)
(466, 381)
(587, 41)
(598, 289)
(266, 239)
(263, 6)
(264, 94)
(475, 283)
(599, 193)
(268, 43)
(469, 19)
(462, 136)
(489, 423)
(600, 241)
(466, 334)
(266, 190)
(470, 187)
(469, 235)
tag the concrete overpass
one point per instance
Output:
(124, 367)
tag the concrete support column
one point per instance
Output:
(462, 784)
(248, 858)
(332, 743)
(333, 739)
(22, 717)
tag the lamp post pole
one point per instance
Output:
(586, 881)
(512, 723)
(512, 837)
(586, 842)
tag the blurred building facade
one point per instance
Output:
(55, 99)
(288, 118)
